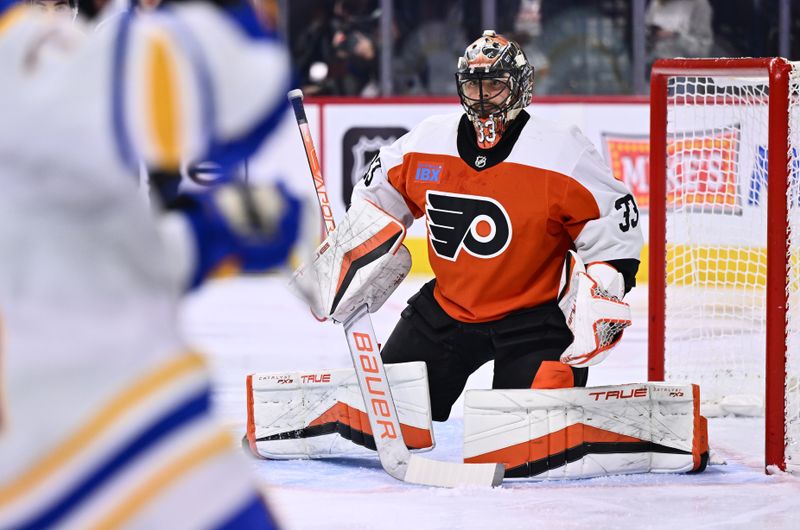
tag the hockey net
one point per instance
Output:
(725, 238)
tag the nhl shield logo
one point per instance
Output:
(480, 161)
(359, 147)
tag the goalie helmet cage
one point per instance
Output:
(724, 267)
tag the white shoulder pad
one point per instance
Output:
(361, 262)
(587, 432)
(321, 414)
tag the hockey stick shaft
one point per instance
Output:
(296, 99)
(380, 407)
(360, 334)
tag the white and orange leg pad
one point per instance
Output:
(574, 433)
(321, 414)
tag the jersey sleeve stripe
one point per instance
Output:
(70, 449)
(165, 119)
(123, 142)
(228, 152)
(89, 484)
(10, 14)
(253, 516)
(163, 478)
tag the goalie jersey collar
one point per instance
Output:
(480, 159)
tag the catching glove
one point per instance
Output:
(591, 300)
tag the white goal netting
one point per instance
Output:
(793, 284)
(717, 179)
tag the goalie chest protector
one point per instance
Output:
(500, 221)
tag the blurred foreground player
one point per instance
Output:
(104, 411)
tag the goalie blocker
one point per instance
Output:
(360, 263)
(587, 432)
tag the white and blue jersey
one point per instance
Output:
(104, 412)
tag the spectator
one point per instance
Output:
(527, 33)
(424, 65)
(354, 46)
(585, 47)
(311, 46)
(504, 16)
(679, 28)
(338, 53)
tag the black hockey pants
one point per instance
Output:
(452, 350)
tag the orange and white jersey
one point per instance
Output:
(105, 419)
(500, 221)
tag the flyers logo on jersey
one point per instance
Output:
(479, 225)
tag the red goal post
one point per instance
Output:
(724, 91)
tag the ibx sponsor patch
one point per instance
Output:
(428, 172)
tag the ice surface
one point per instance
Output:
(253, 324)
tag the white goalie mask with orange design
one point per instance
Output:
(495, 82)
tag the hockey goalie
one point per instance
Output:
(533, 244)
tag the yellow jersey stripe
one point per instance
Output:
(161, 480)
(164, 104)
(101, 422)
(11, 17)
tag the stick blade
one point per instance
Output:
(452, 474)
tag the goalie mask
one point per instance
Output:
(495, 82)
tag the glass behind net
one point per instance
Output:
(717, 178)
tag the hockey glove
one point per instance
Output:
(361, 262)
(246, 228)
(591, 300)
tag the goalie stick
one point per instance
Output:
(394, 456)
